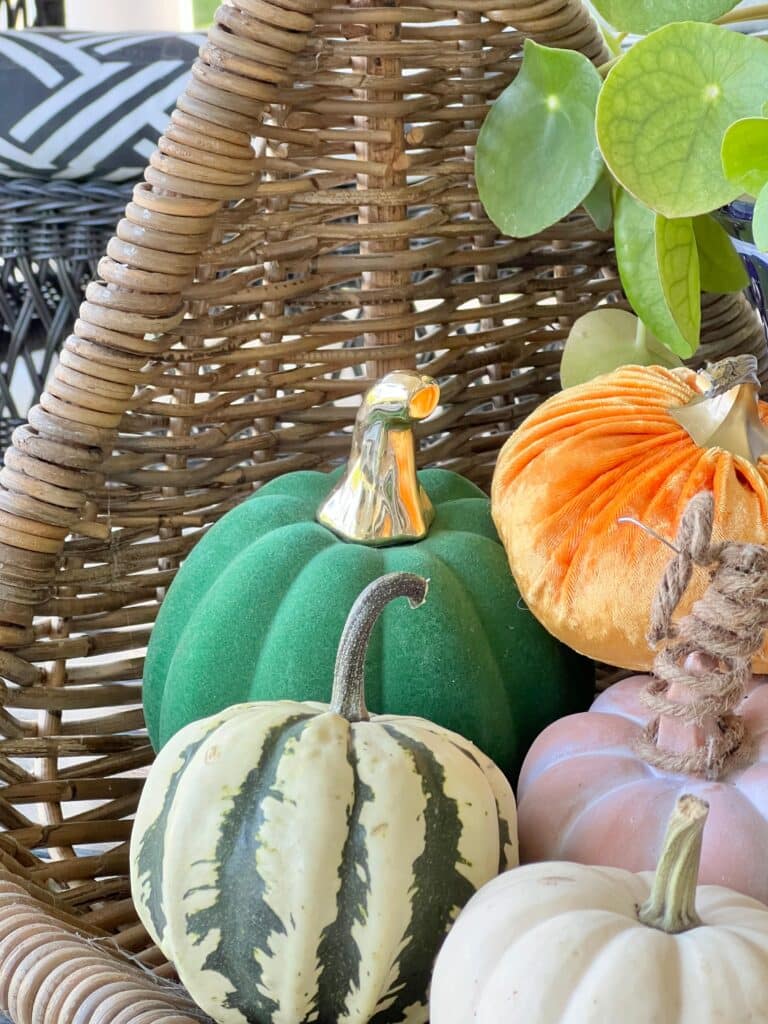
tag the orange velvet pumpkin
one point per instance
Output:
(616, 447)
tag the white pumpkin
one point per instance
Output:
(563, 943)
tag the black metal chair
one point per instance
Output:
(54, 229)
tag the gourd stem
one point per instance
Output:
(671, 907)
(348, 695)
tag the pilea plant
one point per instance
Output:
(654, 141)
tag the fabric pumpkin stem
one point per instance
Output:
(703, 671)
(348, 695)
(727, 416)
(671, 907)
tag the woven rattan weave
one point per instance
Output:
(250, 294)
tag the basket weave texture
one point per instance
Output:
(249, 295)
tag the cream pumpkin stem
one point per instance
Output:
(348, 695)
(379, 499)
(727, 414)
(671, 907)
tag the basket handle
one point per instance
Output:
(203, 159)
(566, 24)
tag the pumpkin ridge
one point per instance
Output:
(556, 992)
(246, 926)
(588, 752)
(585, 510)
(601, 511)
(493, 666)
(610, 923)
(181, 602)
(192, 686)
(445, 509)
(618, 950)
(296, 583)
(608, 793)
(151, 856)
(747, 939)
(504, 829)
(507, 820)
(435, 880)
(335, 947)
(450, 571)
(443, 486)
(637, 391)
(528, 449)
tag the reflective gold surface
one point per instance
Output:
(726, 416)
(379, 499)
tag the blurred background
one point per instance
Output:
(109, 15)
(86, 87)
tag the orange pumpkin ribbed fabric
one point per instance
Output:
(589, 456)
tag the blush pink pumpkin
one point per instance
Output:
(582, 776)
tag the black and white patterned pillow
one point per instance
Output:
(82, 105)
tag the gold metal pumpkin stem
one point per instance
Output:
(348, 695)
(726, 416)
(671, 907)
(379, 500)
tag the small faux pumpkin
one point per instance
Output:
(637, 443)
(255, 610)
(595, 787)
(302, 863)
(564, 943)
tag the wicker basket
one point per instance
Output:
(248, 298)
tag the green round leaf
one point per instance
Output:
(760, 220)
(745, 154)
(599, 203)
(537, 157)
(643, 16)
(719, 263)
(666, 106)
(605, 339)
(678, 262)
(634, 232)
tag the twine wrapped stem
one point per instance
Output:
(704, 666)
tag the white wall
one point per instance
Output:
(129, 15)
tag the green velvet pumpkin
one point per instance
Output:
(256, 611)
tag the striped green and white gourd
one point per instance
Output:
(303, 862)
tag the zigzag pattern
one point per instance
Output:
(83, 105)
